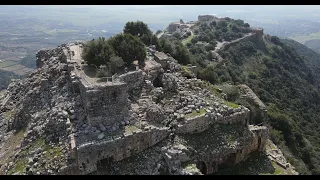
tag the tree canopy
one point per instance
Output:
(97, 52)
(117, 51)
(128, 47)
(142, 31)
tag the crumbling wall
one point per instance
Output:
(195, 125)
(118, 148)
(134, 81)
(255, 141)
(173, 27)
(258, 111)
(203, 122)
(105, 104)
(205, 18)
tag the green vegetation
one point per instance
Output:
(114, 51)
(285, 82)
(186, 72)
(231, 104)
(231, 138)
(284, 75)
(187, 40)
(11, 144)
(142, 31)
(175, 48)
(131, 128)
(195, 113)
(128, 47)
(51, 153)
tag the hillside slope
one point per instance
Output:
(284, 74)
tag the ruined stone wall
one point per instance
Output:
(256, 36)
(258, 111)
(195, 125)
(105, 104)
(173, 27)
(203, 122)
(247, 38)
(50, 55)
(256, 141)
(204, 18)
(118, 148)
(134, 81)
(237, 117)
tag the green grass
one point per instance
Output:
(19, 166)
(231, 138)
(186, 72)
(191, 167)
(131, 128)
(51, 152)
(187, 40)
(195, 113)
(231, 104)
(304, 38)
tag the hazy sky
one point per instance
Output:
(163, 13)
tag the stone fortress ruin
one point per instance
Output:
(151, 120)
(118, 123)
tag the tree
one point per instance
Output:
(139, 29)
(210, 55)
(181, 53)
(177, 35)
(209, 47)
(115, 63)
(165, 46)
(97, 52)
(155, 40)
(128, 47)
(194, 40)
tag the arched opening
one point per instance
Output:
(202, 167)
(105, 163)
(228, 162)
(157, 82)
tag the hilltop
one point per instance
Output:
(108, 107)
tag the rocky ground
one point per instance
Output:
(35, 125)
